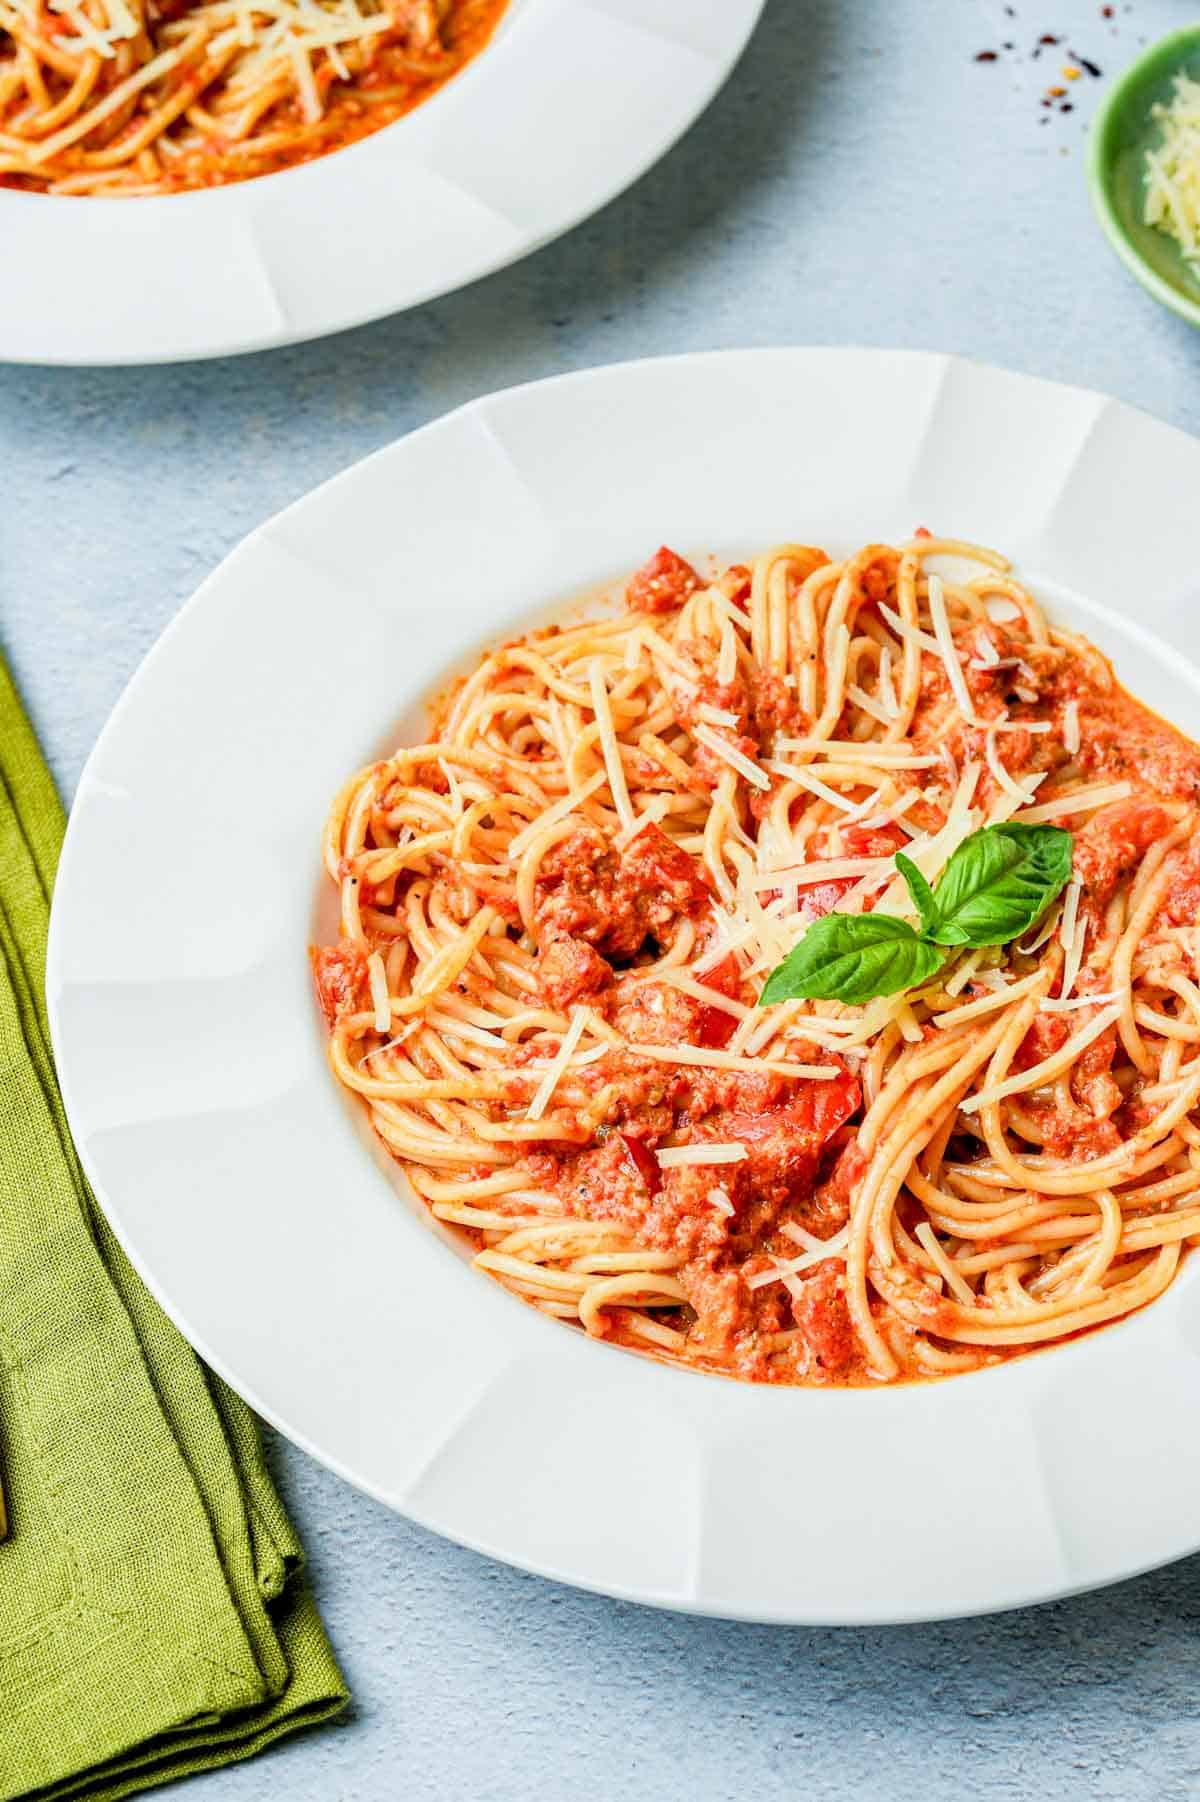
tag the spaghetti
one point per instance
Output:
(558, 914)
(139, 97)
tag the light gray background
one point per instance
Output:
(861, 179)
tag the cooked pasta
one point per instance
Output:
(141, 97)
(559, 911)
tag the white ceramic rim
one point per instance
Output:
(457, 189)
(247, 1190)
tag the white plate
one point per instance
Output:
(245, 1187)
(572, 101)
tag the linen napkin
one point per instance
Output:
(152, 1617)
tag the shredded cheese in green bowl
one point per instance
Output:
(1144, 170)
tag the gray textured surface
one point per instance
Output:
(861, 180)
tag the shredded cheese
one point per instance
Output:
(700, 991)
(1044, 933)
(1071, 936)
(986, 1004)
(1077, 1001)
(818, 1251)
(792, 772)
(652, 814)
(675, 1157)
(854, 750)
(705, 1059)
(1172, 169)
(955, 984)
(1021, 795)
(1005, 806)
(719, 1199)
(906, 1020)
(931, 854)
(913, 634)
(831, 869)
(608, 743)
(948, 652)
(1083, 800)
(868, 704)
(1039, 1074)
(737, 760)
(1071, 739)
(550, 1081)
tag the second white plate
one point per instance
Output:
(247, 1190)
(572, 101)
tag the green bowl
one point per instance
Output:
(1122, 132)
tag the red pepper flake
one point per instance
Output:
(987, 56)
(1048, 37)
(1106, 12)
(1056, 93)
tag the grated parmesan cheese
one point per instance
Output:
(1022, 796)
(817, 1251)
(1077, 1001)
(1039, 1074)
(700, 991)
(1082, 800)
(792, 772)
(737, 760)
(913, 634)
(652, 814)
(868, 704)
(1072, 937)
(675, 1157)
(550, 1081)
(1071, 738)
(608, 743)
(1172, 170)
(827, 870)
(705, 1059)
(871, 751)
(986, 1004)
(948, 652)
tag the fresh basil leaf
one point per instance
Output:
(998, 882)
(920, 891)
(852, 958)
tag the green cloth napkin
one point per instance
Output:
(152, 1617)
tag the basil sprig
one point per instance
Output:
(998, 882)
